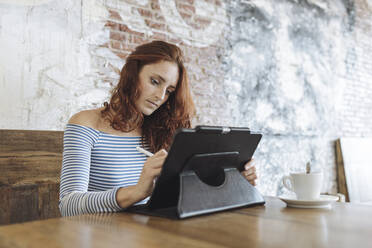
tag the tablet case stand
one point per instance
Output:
(211, 182)
(202, 174)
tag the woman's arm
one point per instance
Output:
(74, 196)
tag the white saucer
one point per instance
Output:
(324, 201)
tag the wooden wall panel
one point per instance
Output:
(30, 164)
(31, 140)
(24, 167)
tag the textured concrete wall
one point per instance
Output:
(298, 71)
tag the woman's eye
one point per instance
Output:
(154, 81)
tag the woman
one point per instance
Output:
(102, 171)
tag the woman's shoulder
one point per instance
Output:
(89, 118)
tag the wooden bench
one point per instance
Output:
(30, 165)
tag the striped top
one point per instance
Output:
(95, 165)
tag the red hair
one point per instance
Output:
(159, 127)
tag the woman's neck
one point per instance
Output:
(104, 125)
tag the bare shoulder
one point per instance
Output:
(88, 118)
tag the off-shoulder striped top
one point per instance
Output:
(95, 165)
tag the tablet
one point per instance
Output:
(232, 146)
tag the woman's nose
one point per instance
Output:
(161, 93)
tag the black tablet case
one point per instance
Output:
(202, 173)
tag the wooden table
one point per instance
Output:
(272, 225)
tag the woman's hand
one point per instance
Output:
(127, 196)
(249, 172)
(151, 170)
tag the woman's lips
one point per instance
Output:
(152, 103)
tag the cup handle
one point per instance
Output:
(288, 182)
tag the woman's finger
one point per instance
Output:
(161, 153)
(251, 177)
(156, 172)
(156, 160)
(249, 164)
(153, 165)
(253, 182)
(251, 170)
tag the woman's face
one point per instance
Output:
(156, 81)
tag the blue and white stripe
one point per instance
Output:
(95, 165)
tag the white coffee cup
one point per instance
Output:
(306, 186)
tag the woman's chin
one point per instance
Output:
(147, 112)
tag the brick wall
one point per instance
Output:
(355, 115)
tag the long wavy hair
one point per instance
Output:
(159, 127)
